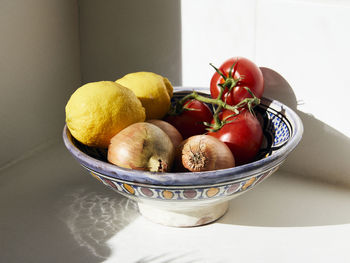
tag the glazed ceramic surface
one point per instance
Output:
(178, 199)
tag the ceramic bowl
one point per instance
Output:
(192, 199)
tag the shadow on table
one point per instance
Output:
(285, 200)
(322, 161)
(324, 151)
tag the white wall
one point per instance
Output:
(303, 49)
(39, 68)
(212, 31)
(312, 54)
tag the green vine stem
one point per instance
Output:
(218, 104)
(217, 122)
(250, 102)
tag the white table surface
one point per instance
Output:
(52, 210)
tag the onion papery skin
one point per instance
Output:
(174, 135)
(142, 146)
(203, 153)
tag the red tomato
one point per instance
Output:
(243, 135)
(190, 121)
(244, 74)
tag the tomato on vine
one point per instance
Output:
(191, 118)
(242, 133)
(235, 75)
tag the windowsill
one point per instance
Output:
(52, 210)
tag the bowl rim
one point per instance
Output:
(237, 173)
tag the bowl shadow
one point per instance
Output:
(286, 200)
(323, 152)
(312, 186)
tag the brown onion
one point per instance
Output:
(203, 153)
(142, 146)
(170, 130)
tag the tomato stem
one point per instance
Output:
(229, 81)
(217, 122)
(250, 102)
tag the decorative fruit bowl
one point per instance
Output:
(192, 199)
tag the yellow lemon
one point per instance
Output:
(153, 90)
(99, 110)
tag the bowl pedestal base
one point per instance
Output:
(193, 216)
